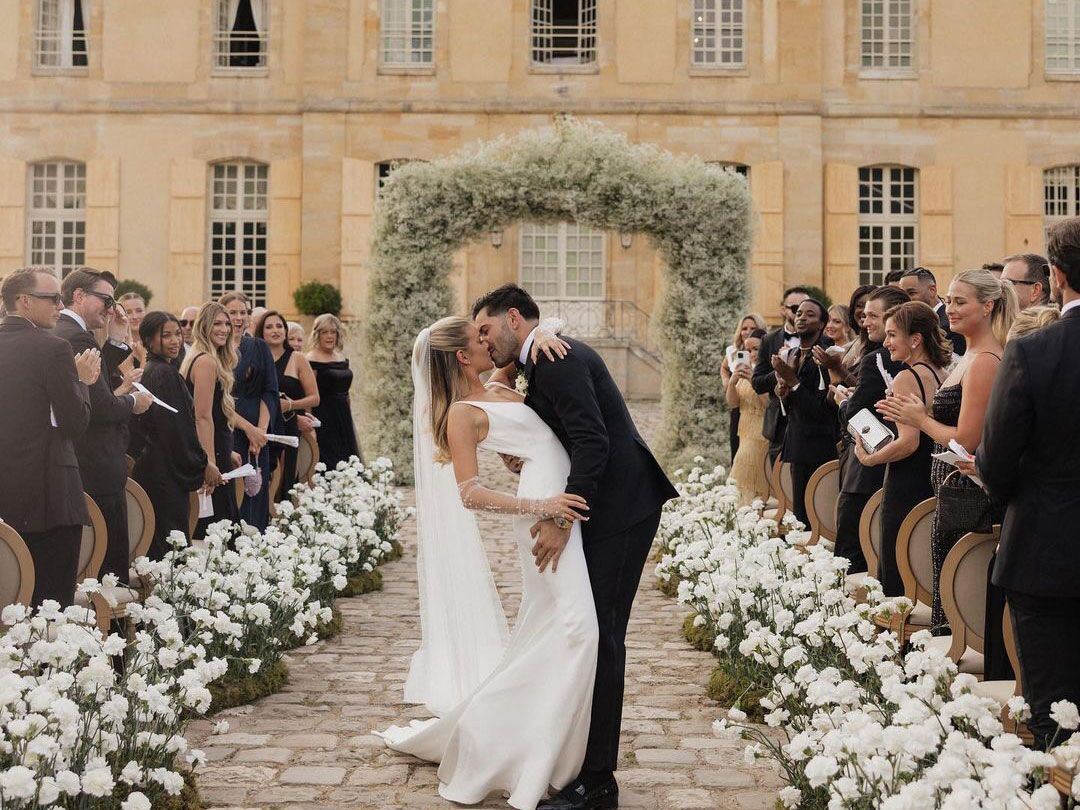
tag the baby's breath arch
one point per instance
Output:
(697, 216)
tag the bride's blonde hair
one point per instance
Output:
(446, 338)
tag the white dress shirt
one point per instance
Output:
(527, 346)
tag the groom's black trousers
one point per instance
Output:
(615, 565)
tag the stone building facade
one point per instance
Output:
(205, 144)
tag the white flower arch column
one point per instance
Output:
(698, 217)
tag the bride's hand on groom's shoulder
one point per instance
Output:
(551, 345)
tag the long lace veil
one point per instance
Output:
(462, 624)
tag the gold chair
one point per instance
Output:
(780, 482)
(914, 560)
(92, 548)
(770, 498)
(869, 543)
(307, 456)
(275, 484)
(130, 463)
(822, 493)
(141, 525)
(16, 569)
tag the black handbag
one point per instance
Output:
(962, 506)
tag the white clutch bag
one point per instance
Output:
(871, 431)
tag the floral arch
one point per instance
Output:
(697, 216)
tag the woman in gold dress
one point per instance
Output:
(747, 468)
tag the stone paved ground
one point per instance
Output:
(310, 745)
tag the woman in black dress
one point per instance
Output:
(299, 391)
(173, 463)
(336, 434)
(914, 338)
(981, 308)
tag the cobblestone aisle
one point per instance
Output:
(310, 745)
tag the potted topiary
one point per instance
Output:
(130, 285)
(316, 297)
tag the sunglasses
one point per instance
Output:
(186, 323)
(792, 308)
(109, 301)
(53, 297)
(1025, 283)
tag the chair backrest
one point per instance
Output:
(130, 463)
(16, 569)
(822, 493)
(913, 554)
(141, 521)
(963, 585)
(786, 484)
(275, 483)
(307, 456)
(767, 465)
(775, 485)
(870, 532)
(95, 541)
(238, 491)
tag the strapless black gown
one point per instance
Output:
(337, 435)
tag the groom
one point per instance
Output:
(612, 468)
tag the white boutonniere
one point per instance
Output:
(521, 385)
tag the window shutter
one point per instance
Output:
(767, 259)
(103, 213)
(286, 219)
(935, 237)
(13, 227)
(187, 233)
(841, 230)
(357, 206)
(1024, 231)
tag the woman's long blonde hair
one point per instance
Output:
(224, 358)
(989, 287)
(446, 338)
(759, 323)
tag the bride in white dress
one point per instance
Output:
(522, 728)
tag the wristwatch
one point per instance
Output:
(562, 523)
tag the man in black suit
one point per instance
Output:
(811, 434)
(763, 380)
(921, 285)
(858, 483)
(612, 468)
(1029, 458)
(88, 300)
(1030, 277)
(46, 404)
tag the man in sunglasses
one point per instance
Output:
(764, 377)
(88, 303)
(1030, 277)
(187, 322)
(45, 406)
(921, 285)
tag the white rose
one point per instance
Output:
(1065, 714)
(18, 782)
(97, 781)
(135, 801)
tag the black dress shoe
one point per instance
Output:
(576, 796)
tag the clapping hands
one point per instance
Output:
(88, 366)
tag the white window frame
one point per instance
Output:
(223, 38)
(59, 35)
(896, 58)
(247, 210)
(558, 274)
(544, 54)
(1061, 194)
(887, 226)
(58, 223)
(718, 35)
(1061, 22)
(407, 34)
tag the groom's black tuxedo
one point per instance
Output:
(613, 469)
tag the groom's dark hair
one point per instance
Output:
(506, 297)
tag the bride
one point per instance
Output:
(513, 718)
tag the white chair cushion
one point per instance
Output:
(1000, 691)
(970, 662)
(118, 595)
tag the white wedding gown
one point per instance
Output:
(525, 727)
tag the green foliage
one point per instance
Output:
(366, 582)
(237, 690)
(697, 217)
(700, 638)
(317, 297)
(820, 295)
(730, 688)
(130, 285)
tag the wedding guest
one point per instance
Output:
(921, 285)
(915, 342)
(299, 392)
(981, 309)
(994, 267)
(187, 324)
(116, 352)
(1030, 458)
(208, 372)
(746, 325)
(764, 378)
(296, 337)
(256, 396)
(1030, 276)
(256, 316)
(337, 435)
(810, 437)
(838, 329)
(45, 406)
(135, 307)
(892, 278)
(174, 463)
(87, 295)
(1031, 320)
(746, 466)
(859, 482)
(843, 367)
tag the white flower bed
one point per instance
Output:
(850, 721)
(75, 731)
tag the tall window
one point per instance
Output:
(565, 260)
(886, 34)
(563, 32)
(60, 35)
(240, 35)
(888, 221)
(407, 32)
(239, 211)
(1061, 193)
(740, 169)
(384, 169)
(56, 224)
(716, 33)
(1062, 36)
